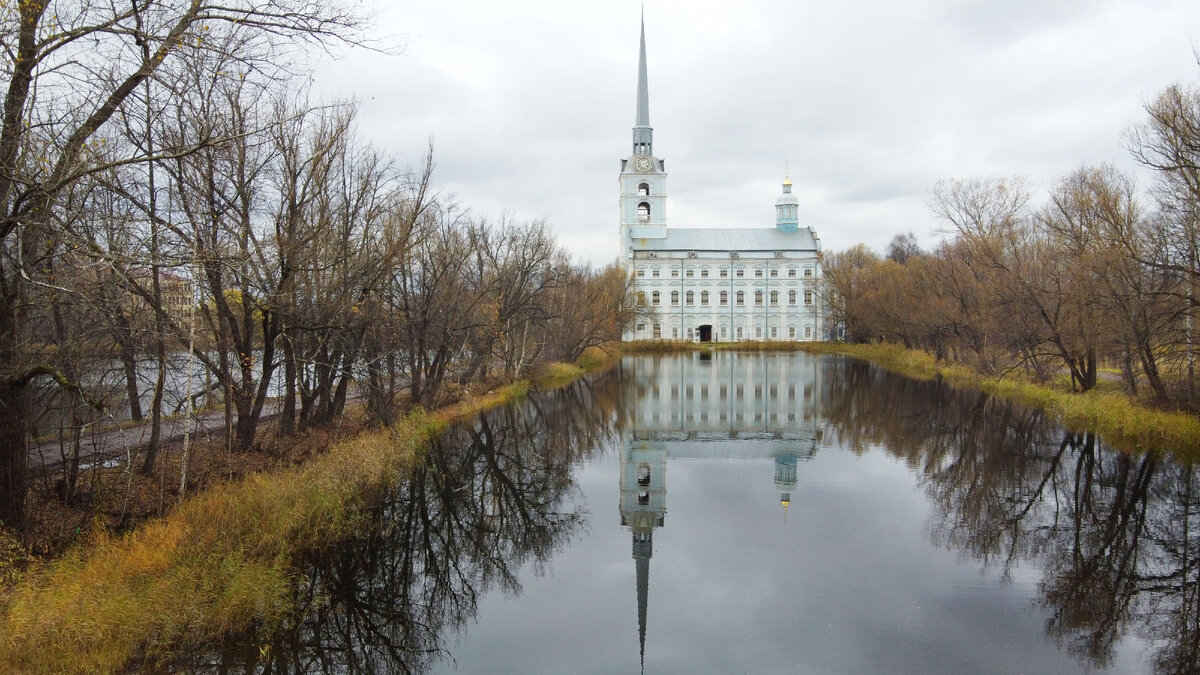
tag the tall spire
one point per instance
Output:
(643, 135)
(643, 92)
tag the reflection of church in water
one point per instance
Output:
(708, 406)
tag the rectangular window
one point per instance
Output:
(739, 336)
(724, 274)
(808, 332)
(740, 274)
(724, 334)
(641, 327)
(689, 273)
(724, 298)
(675, 274)
(774, 272)
(792, 335)
(758, 332)
(774, 332)
(655, 298)
(774, 297)
(704, 297)
(690, 297)
(654, 273)
(657, 331)
(808, 297)
(641, 274)
(703, 274)
(641, 298)
(758, 273)
(792, 272)
(792, 299)
(758, 299)
(740, 298)
(675, 333)
(674, 297)
(808, 272)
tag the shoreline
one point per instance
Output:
(1125, 422)
(222, 560)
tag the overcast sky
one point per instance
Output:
(868, 103)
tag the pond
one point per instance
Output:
(761, 513)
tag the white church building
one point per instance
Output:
(712, 284)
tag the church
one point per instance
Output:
(712, 284)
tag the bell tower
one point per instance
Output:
(786, 218)
(643, 178)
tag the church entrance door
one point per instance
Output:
(706, 333)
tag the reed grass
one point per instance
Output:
(221, 561)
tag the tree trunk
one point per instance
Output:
(14, 455)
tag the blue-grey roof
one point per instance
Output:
(729, 239)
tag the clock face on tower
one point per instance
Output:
(644, 163)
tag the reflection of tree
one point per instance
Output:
(1114, 533)
(488, 498)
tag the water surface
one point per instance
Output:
(759, 513)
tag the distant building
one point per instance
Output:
(712, 284)
(177, 296)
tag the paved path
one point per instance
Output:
(107, 442)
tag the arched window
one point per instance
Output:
(758, 299)
(674, 297)
(774, 297)
(808, 297)
(741, 298)
(704, 297)
(644, 211)
(654, 298)
(690, 297)
(791, 298)
(657, 330)
(644, 189)
(724, 298)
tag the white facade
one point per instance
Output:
(724, 285)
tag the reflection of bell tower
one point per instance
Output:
(643, 508)
(785, 479)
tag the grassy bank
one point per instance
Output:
(1122, 420)
(221, 560)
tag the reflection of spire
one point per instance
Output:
(643, 508)
(643, 585)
